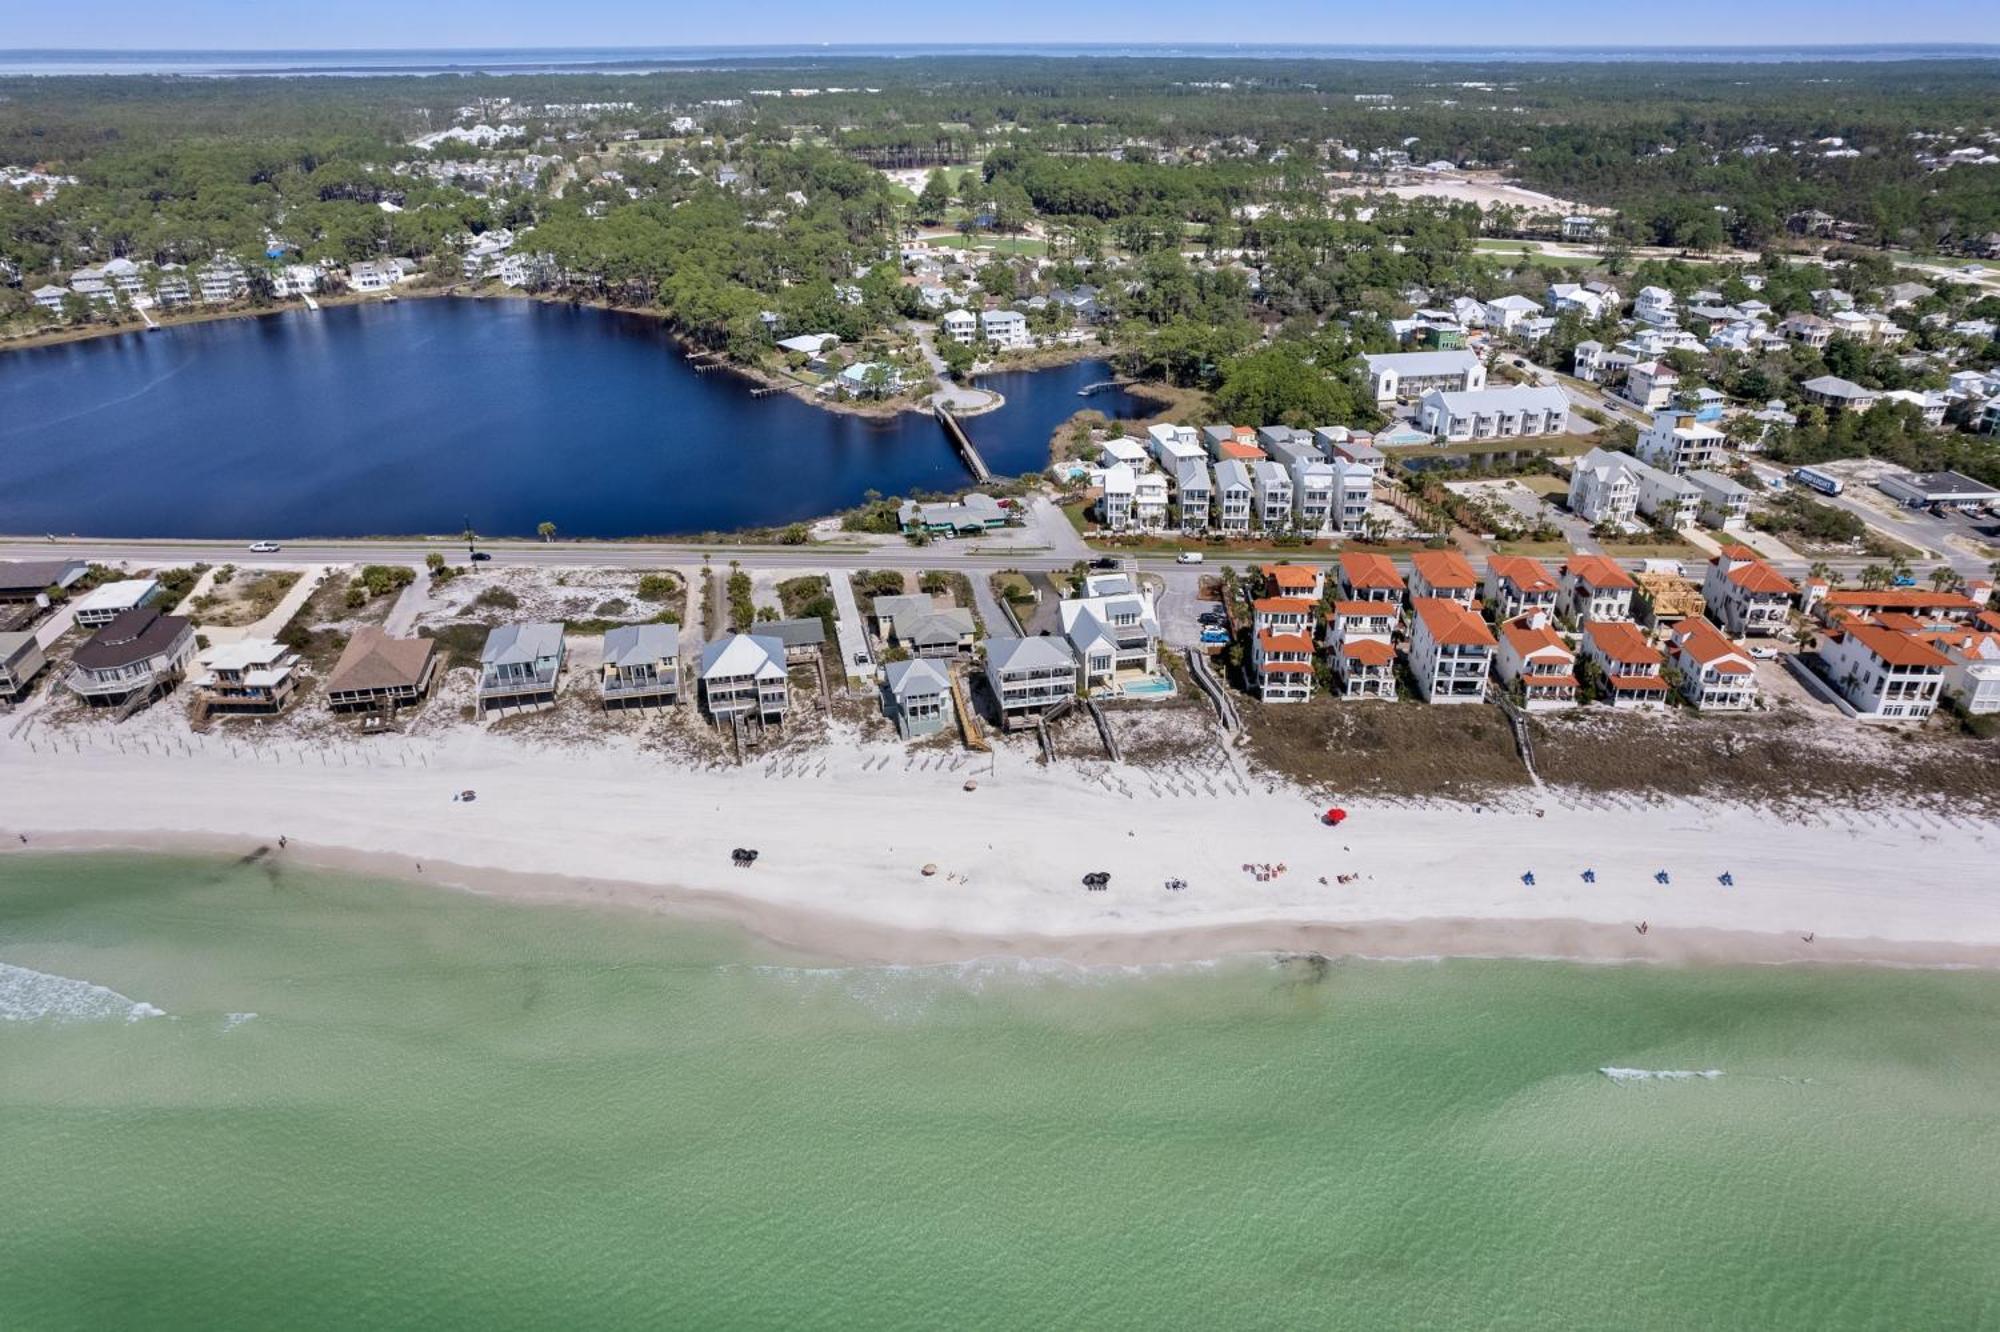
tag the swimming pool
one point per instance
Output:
(1156, 686)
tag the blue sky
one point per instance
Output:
(431, 23)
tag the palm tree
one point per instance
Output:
(1821, 570)
(1946, 579)
(1874, 577)
(546, 531)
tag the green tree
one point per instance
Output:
(546, 531)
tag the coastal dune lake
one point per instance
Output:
(256, 1096)
(407, 418)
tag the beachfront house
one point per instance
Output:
(1516, 585)
(1972, 680)
(1744, 595)
(1361, 643)
(1716, 675)
(24, 581)
(1029, 676)
(1113, 630)
(641, 666)
(130, 661)
(920, 626)
(1595, 587)
(380, 673)
(107, 601)
(519, 667)
(251, 677)
(743, 678)
(1443, 574)
(21, 662)
(1281, 665)
(1533, 658)
(1884, 675)
(1394, 375)
(1451, 651)
(804, 639)
(1630, 666)
(916, 695)
(1365, 576)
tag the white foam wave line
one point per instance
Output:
(1660, 1074)
(27, 995)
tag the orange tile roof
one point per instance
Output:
(1621, 641)
(1534, 682)
(1899, 598)
(1283, 605)
(1287, 668)
(1292, 576)
(1988, 620)
(1709, 646)
(1365, 569)
(1598, 571)
(1271, 642)
(1444, 568)
(1451, 623)
(1753, 575)
(1894, 648)
(1522, 572)
(1529, 639)
(1368, 651)
(1240, 451)
(1384, 609)
(1644, 684)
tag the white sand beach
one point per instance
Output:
(844, 829)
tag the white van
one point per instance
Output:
(1188, 557)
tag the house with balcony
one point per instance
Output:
(1194, 492)
(961, 326)
(916, 695)
(1394, 375)
(1005, 329)
(1494, 413)
(222, 279)
(1443, 574)
(1234, 496)
(641, 667)
(1604, 487)
(1716, 675)
(1666, 499)
(1972, 679)
(1273, 491)
(1313, 489)
(1634, 674)
(1365, 576)
(1678, 443)
(1451, 651)
(21, 662)
(379, 673)
(132, 660)
(1533, 657)
(1655, 306)
(1837, 394)
(1304, 581)
(1595, 587)
(1113, 630)
(743, 678)
(1281, 665)
(1744, 595)
(1172, 445)
(1149, 501)
(520, 667)
(1361, 643)
(1029, 676)
(1283, 615)
(1117, 486)
(921, 626)
(1883, 674)
(253, 677)
(1506, 314)
(107, 601)
(1651, 385)
(1516, 585)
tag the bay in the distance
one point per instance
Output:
(407, 418)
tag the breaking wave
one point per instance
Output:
(1659, 1074)
(30, 996)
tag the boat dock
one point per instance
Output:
(960, 441)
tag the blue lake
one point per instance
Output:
(401, 419)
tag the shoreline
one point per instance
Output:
(835, 939)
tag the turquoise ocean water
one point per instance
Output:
(239, 1096)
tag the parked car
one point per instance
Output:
(1764, 652)
(1189, 557)
(1105, 562)
(264, 548)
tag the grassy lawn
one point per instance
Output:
(1535, 550)
(1009, 245)
(1652, 549)
(1547, 486)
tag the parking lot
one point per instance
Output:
(1181, 605)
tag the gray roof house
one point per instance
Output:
(519, 666)
(642, 665)
(917, 623)
(802, 638)
(21, 660)
(25, 580)
(917, 696)
(1029, 676)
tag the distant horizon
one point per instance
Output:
(1242, 47)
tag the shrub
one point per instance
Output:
(382, 579)
(496, 598)
(658, 587)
